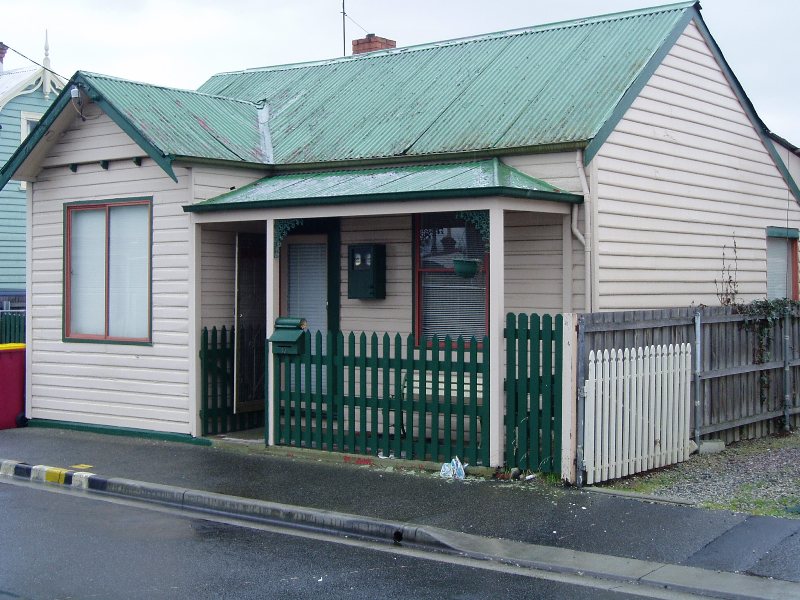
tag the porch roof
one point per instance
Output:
(426, 181)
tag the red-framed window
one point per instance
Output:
(107, 271)
(782, 263)
(447, 303)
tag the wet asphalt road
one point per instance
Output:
(533, 513)
(57, 546)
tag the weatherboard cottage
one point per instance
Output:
(604, 163)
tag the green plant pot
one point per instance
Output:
(466, 267)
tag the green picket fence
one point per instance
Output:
(12, 328)
(534, 361)
(378, 395)
(216, 390)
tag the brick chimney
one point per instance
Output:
(4, 49)
(371, 43)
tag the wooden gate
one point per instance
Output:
(637, 410)
(217, 414)
(534, 363)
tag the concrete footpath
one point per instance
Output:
(534, 524)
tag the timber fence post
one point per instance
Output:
(581, 398)
(568, 405)
(698, 392)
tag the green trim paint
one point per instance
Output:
(394, 197)
(184, 438)
(783, 232)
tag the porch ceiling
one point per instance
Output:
(430, 181)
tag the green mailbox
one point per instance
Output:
(289, 336)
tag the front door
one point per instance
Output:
(250, 322)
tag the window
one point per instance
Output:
(782, 263)
(108, 271)
(447, 303)
(28, 121)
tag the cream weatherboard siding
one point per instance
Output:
(792, 161)
(121, 385)
(394, 314)
(682, 176)
(561, 170)
(218, 275)
(208, 181)
(534, 267)
(218, 244)
(99, 139)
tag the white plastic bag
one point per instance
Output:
(453, 470)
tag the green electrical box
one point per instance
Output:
(366, 272)
(289, 336)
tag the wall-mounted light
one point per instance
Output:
(77, 101)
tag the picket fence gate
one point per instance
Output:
(637, 410)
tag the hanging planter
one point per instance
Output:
(466, 267)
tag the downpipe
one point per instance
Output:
(585, 240)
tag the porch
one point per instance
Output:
(377, 250)
(385, 396)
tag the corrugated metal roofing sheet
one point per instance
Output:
(183, 122)
(553, 84)
(488, 177)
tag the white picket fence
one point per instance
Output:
(637, 410)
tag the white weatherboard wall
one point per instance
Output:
(560, 170)
(684, 174)
(120, 385)
(791, 160)
(394, 313)
(218, 244)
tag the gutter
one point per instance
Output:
(508, 192)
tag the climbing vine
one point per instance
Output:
(760, 317)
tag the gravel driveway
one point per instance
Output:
(754, 476)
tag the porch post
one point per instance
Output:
(497, 311)
(271, 294)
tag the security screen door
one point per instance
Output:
(250, 322)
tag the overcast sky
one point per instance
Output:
(180, 43)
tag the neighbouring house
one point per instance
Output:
(611, 162)
(25, 94)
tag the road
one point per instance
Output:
(65, 545)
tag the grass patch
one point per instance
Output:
(646, 483)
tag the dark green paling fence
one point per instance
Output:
(12, 328)
(378, 395)
(216, 391)
(534, 361)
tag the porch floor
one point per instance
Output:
(246, 436)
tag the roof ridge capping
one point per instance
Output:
(88, 76)
(580, 21)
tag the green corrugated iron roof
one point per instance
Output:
(182, 122)
(452, 180)
(544, 88)
(549, 85)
